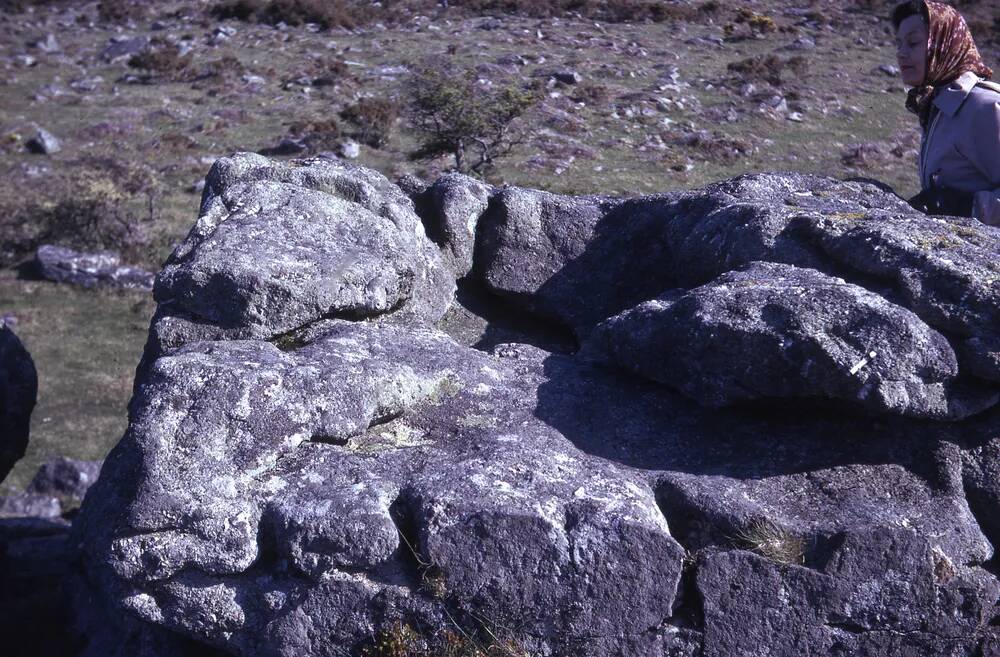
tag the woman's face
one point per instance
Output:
(911, 50)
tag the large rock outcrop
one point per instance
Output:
(277, 247)
(18, 392)
(319, 460)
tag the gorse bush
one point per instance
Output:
(758, 23)
(457, 115)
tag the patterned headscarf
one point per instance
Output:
(951, 52)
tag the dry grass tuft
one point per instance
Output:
(768, 539)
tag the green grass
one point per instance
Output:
(85, 344)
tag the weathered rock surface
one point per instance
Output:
(277, 247)
(63, 265)
(304, 469)
(43, 142)
(30, 505)
(451, 209)
(18, 391)
(811, 336)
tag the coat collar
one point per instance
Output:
(950, 97)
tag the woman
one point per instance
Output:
(959, 111)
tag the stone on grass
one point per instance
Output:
(30, 505)
(63, 265)
(43, 143)
(64, 477)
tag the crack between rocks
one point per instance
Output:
(294, 339)
(859, 630)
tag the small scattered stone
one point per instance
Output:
(44, 143)
(63, 477)
(86, 84)
(568, 77)
(122, 47)
(802, 43)
(350, 149)
(287, 146)
(889, 69)
(491, 24)
(48, 44)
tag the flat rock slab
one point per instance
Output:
(63, 265)
(18, 392)
(778, 332)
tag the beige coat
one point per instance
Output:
(961, 147)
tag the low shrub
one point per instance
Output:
(320, 135)
(612, 11)
(161, 60)
(769, 68)
(120, 11)
(374, 119)
(355, 13)
(318, 72)
(591, 93)
(325, 13)
(758, 23)
(711, 146)
(220, 70)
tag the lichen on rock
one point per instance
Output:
(779, 429)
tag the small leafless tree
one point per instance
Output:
(458, 115)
